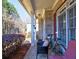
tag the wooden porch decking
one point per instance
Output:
(69, 54)
(31, 54)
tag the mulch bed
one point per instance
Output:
(20, 52)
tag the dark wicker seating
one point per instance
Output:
(41, 49)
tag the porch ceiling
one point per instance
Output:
(42, 4)
(38, 6)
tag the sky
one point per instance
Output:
(23, 14)
(25, 17)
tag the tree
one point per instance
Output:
(8, 10)
(10, 19)
(9, 7)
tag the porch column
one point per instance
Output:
(55, 26)
(66, 29)
(33, 30)
(44, 34)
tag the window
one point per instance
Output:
(72, 23)
(62, 27)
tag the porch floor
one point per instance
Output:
(70, 53)
(31, 54)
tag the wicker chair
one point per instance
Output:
(41, 49)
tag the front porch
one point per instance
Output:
(54, 17)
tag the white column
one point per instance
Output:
(44, 36)
(33, 30)
(66, 29)
(35, 27)
(57, 26)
